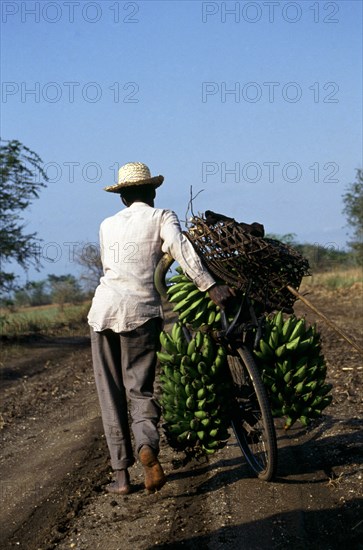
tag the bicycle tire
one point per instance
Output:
(251, 417)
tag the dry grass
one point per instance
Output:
(42, 319)
(335, 279)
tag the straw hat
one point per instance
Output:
(134, 173)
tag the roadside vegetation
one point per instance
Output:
(47, 320)
(52, 306)
(336, 278)
(59, 305)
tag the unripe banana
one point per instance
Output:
(183, 436)
(196, 357)
(289, 422)
(273, 341)
(301, 362)
(327, 399)
(169, 386)
(211, 399)
(168, 371)
(182, 346)
(205, 379)
(181, 305)
(286, 365)
(194, 423)
(167, 344)
(201, 394)
(178, 296)
(298, 330)
(190, 402)
(174, 331)
(208, 351)
(200, 414)
(220, 361)
(199, 316)
(300, 387)
(206, 422)
(266, 350)
(198, 340)
(201, 404)
(211, 318)
(293, 344)
(177, 377)
(202, 367)
(213, 444)
(190, 307)
(191, 347)
(279, 321)
(177, 279)
(193, 373)
(312, 374)
(208, 451)
(281, 350)
(288, 376)
(306, 344)
(195, 293)
(287, 329)
(189, 390)
(165, 357)
(167, 400)
(173, 289)
(182, 285)
(185, 361)
(300, 374)
(305, 421)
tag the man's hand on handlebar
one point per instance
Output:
(221, 295)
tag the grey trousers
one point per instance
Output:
(124, 368)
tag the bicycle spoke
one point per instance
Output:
(251, 417)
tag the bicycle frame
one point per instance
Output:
(240, 329)
(251, 421)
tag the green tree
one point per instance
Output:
(34, 293)
(353, 209)
(287, 238)
(65, 289)
(39, 295)
(22, 177)
(323, 258)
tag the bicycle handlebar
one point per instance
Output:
(159, 275)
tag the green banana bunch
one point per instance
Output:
(192, 305)
(195, 393)
(293, 369)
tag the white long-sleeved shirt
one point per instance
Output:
(132, 242)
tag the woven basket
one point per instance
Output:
(242, 260)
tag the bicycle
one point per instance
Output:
(251, 418)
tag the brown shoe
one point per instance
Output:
(154, 475)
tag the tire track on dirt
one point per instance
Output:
(314, 503)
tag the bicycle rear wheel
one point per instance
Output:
(251, 419)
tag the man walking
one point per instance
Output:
(126, 320)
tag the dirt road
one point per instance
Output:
(54, 464)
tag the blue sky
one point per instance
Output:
(260, 108)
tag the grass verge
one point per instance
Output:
(335, 279)
(44, 320)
